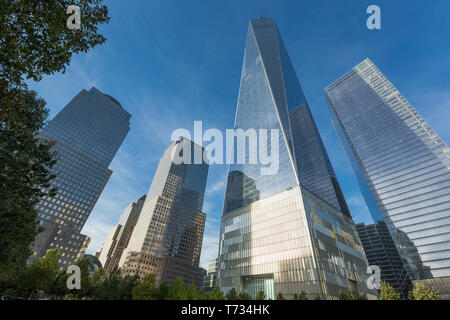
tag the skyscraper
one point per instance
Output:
(291, 231)
(210, 279)
(401, 164)
(120, 235)
(167, 238)
(87, 132)
(381, 251)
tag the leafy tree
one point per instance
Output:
(231, 294)
(146, 289)
(244, 296)
(216, 294)
(303, 296)
(387, 292)
(98, 277)
(177, 291)
(42, 274)
(191, 292)
(261, 295)
(422, 292)
(318, 297)
(25, 163)
(34, 41)
(116, 287)
(35, 38)
(280, 296)
(163, 291)
(346, 295)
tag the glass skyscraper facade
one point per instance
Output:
(381, 251)
(168, 235)
(290, 231)
(87, 134)
(401, 164)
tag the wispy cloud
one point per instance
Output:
(209, 248)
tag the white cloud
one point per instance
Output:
(97, 229)
(210, 248)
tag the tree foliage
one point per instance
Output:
(387, 292)
(260, 295)
(34, 41)
(146, 289)
(280, 296)
(177, 291)
(422, 292)
(231, 294)
(244, 296)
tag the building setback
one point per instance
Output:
(291, 231)
(402, 167)
(168, 235)
(87, 132)
(120, 235)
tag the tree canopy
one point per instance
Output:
(34, 41)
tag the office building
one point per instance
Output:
(87, 134)
(210, 279)
(290, 231)
(402, 167)
(167, 238)
(120, 235)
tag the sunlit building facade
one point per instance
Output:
(120, 235)
(167, 238)
(210, 279)
(87, 134)
(291, 231)
(401, 164)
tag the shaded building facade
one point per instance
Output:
(381, 251)
(168, 235)
(401, 164)
(291, 231)
(120, 235)
(87, 134)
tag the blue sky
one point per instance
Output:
(172, 62)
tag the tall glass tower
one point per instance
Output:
(87, 134)
(402, 166)
(168, 235)
(291, 231)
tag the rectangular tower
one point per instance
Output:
(291, 231)
(120, 235)
(401, 164)
(167, 238)
(87, 134)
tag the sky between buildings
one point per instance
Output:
(172, 62)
